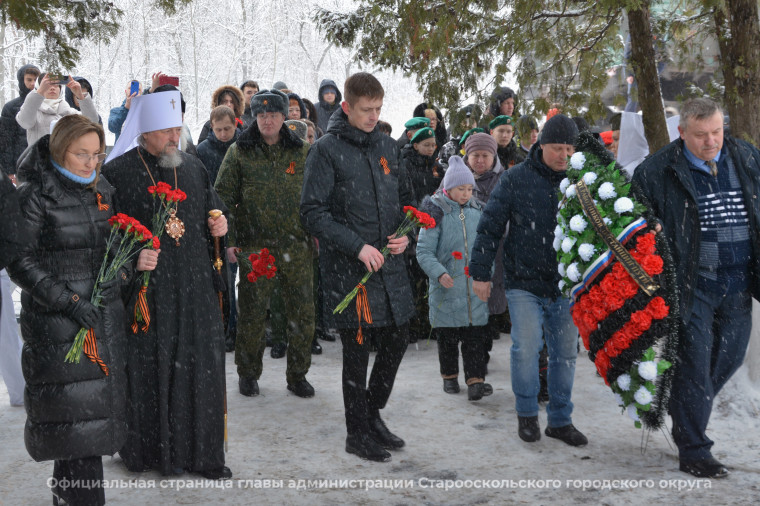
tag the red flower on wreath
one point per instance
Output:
(645, 244)
(658, 309)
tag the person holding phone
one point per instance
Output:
(118, 114)
(46, 105)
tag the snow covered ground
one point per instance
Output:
(450, 442)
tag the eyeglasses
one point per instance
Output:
(85, 158)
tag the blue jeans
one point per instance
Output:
(712, 348)
(535, 317)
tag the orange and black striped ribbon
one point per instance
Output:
(384, 165)
(101, 205)
(91, 351)
(142, 306)
(291, 168)
(362, 310)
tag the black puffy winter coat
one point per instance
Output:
(73, 410)
(354, 190)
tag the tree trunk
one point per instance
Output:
(645, 73)
(738, 32)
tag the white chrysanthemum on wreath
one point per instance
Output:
(561, 284)
(607, 191)
(643, 396)
(607, 221)
(648, 370)
(577, 160)
(570, 192)
(586, 251)
(557, 244)
(624, 382)
(561, 269)
(619, 399)
(573, 273)
(589, 178)
(577, 223)
(559, 232)
(563, 185)
(567, 244)
(632, 413)
(623, 205)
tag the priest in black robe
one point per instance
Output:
(175, 368)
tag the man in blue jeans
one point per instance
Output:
(703, 188)
(526, 198)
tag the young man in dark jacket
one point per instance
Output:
(703, 188)
(354, 191)
(12, 135)
(329, 102)
(526, 198)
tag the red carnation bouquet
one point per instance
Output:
(131, 236)
(413, 219)
(167, 198)
(262, 265)
(620, 279)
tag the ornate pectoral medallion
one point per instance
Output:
(175, 228)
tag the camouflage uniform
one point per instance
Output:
(261, 185)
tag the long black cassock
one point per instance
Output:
(176, 369)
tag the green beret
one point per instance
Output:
(422, 134)
(499, 120)
(269, 101)
(417, 123)
(469, 133)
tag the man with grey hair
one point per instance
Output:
(175, 359)
(702, 187)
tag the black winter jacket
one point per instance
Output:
(349, 199)
(13, 135)
(510, 155)
(73, 410)
(526, 198)
(665, 182)
(325, 110)
(424, 175)
(212, 151)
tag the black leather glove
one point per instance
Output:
(82, 311)
(111, 290)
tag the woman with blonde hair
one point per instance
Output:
(76, 412)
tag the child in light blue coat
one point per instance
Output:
(456, 313)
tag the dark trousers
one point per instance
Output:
(88, 473)
(473, 355)
(361, 401)
(712, 348)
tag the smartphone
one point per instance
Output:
(174, 81)
(134, 87)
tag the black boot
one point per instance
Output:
(451, 386)
(248, 386)
(278, 350)
(567, 434)
(364, 446)
(380, 433)
(477, 391)
(528, 429)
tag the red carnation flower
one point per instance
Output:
(652, 264)
(645, 244)
(657, 308)
(467, 271)
(457, 255)
(156, 243)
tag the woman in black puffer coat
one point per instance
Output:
(75, 412)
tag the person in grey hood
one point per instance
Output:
(12, 135)
(329, 102)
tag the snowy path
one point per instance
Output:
(280, 437)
